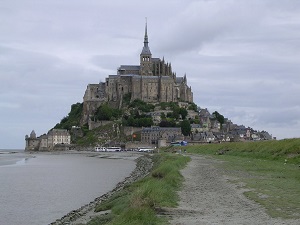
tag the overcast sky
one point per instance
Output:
(241, 57)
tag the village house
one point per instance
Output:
(56, 139)
(151, 135)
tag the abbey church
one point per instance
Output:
(152, 81)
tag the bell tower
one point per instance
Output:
(145, 57)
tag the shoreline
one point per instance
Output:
(11, 158)
(86, 212)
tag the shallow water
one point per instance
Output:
(38, 190)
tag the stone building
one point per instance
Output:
(151, 135)
(55, 139)
(152, 81)
(32, 142)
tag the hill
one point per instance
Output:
(197, 125)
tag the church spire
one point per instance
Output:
(146, 65)
(146, 50)
(146, 35)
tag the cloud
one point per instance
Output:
(202, 22)
(241, 57)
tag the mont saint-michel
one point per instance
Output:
(152, 81)
(141, 105)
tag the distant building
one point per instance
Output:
(151, 135)
(32, 142)
(58, 136)
(196, 128)
(56, 139)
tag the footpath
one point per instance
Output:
(209, 198)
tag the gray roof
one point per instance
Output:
(146, 50)
(155, 59)
(129, 67)
(129, 75)
(135, 75)
(179, 79)
(150, 77)
(145, 129)
(170, 128)
(148, 129)
(204, 113)
(166, 77)
(139, 76)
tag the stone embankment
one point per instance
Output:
(85, 213)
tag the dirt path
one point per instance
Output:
(208, 198)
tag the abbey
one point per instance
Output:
(151, 81)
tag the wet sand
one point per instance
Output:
(85, 213)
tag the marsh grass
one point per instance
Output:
(101, 220)
(272, 150)
(138, 202)
(270, 170)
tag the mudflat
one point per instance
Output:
(208, 197)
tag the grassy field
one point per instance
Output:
(269, 169)
(287, 149)
(137, 203)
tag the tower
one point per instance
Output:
(145, 57)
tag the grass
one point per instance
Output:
(272, 150)
(273, 184)
(138, 202)
(269, 169)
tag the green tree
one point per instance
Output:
(163, 105)
(193, 106)
(105, 112)
(141, 105)
(219, 117)
(169, 122)
(196, 121)
(183, 112)
(170, 115)
(185, 127)
(145, 122)
(176, 113)
(172, 122)
(72, 119)
(127, 98)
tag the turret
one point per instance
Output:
(32, 134)
(170, 69)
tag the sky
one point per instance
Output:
(241, 57)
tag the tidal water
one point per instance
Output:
(37, 189)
